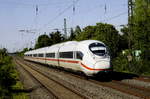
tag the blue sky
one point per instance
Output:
(18, 15)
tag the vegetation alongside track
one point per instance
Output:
(9, 78)
(140, 67)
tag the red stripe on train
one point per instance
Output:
(71, 61)
(93, 68)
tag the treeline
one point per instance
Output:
(130, 51)
(101, 31)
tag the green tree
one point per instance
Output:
(3, 52)
(87, 33)
(56, 37)
(123, 39)
(25, 50)
(43, 41)
(109, 35)
(72, 35)
(102, 32)
(21, 53)
(141, 24)
(77, 31)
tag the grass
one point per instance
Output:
(10, 86)
(18, 91)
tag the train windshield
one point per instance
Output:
(98, 49)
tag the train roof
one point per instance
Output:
(87, 42)
(69, 46)
(62, 47)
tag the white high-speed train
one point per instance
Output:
(89, 56)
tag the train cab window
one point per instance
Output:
(79, 55)
(66, 54)
(98, 49)
(52, 55)
(40, 55)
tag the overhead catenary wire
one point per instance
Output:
(31, 3)
(62, 12)
(108, 19)
(73, 6)
(116, 16)
(113, 17)
(37, 11)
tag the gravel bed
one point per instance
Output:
(89, 89)
(137, 83)
(35, 90)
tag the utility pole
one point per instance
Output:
(65, 28)
(130, 21)
(130, 32)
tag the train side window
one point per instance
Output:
(52, 55)
(79, 55)
(34, 55)
(41, 55)
(66, 54)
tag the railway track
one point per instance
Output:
(58, 90)
(126, 88)
(143, 78)
(140, 92)
(123, 87)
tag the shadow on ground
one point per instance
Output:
(115, 76)
(21, 90)
(29, 90)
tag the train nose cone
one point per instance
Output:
(102, 65)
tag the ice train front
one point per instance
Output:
(96, 58)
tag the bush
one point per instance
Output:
(140, 66)
(120, 63)
(7, 74)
